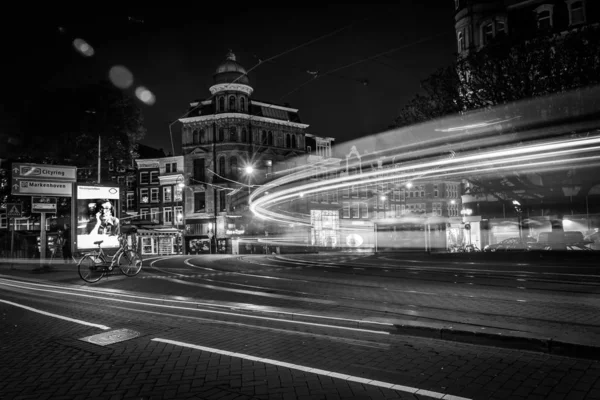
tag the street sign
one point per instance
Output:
(13, 210)
(43, 204)
(40, 187)
(44, 171)
(43, 179)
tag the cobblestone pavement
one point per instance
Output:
(43, 358)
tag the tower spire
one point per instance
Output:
(230, 55)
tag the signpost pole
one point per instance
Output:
(13, 211)
(42, 238)
(12, 239)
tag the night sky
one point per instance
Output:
(174, 54)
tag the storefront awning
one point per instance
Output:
(152, 232)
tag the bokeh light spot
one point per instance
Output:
(83, 47)
(120, 76)
(145, 95)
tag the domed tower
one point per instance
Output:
(231, 88)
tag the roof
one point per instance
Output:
(274, 111)
(230, 71)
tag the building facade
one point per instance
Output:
(479, 23)
(160, 204)
(222, 135)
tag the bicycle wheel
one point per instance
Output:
(130, 263)
(89, 270)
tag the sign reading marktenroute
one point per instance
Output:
(42, 179)
(27, 187)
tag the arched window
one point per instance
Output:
(221, 104)
(233, 165)
(244, 135)
(270, 138)
(222, 166)
(487, 32)
(202, 136)
(576, 12)
(293, 141)
(544, 16)
(242, 104)
(233, 134)
(460, 38)
(221, 134)
(263, 137)
(288, 142)
(196, 136)
(231, 103)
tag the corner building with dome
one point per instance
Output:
(221, 136)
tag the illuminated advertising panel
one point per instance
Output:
(97, 210)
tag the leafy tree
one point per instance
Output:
(508, 71)
(442, 97)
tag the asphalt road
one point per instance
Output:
(339, 326)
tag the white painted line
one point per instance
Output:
(428, 393)
(4, 282)
(77, 321)
(451, 397)
(332, 374)
(188, 263)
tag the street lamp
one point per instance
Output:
(249, 169)
(181, 217)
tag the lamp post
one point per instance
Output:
(182, 186)
(519, 211)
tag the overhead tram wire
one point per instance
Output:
(362, 61)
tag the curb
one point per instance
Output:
(521, 341)
(471, 334)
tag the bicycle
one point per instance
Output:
(95, 264)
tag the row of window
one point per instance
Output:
(395, 195)
(360, 210)
(169, 194)
(200, 201)
(288, 140)
(233, 103)
(169, 214)
(491, 28)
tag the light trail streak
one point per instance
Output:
(120, 299)
(475, 164)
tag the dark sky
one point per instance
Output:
(175, 52)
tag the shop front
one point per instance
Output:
(162, 242)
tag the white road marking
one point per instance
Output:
(386, 385)
(188, 263)
(77, 321)
(4, 282)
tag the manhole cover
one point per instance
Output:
(110, 337)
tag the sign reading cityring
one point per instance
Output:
(43, 171)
